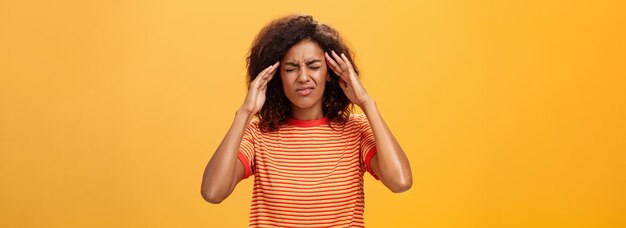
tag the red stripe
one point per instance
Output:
(285, 169)
(307, 179)
(308, 176)
(351, 195)
(246, 166)
(368, 159)
(281, 222)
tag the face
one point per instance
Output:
(304, 74)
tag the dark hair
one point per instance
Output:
(270, 46)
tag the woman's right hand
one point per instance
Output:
(223, 171)
(256, 93)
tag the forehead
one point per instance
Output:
(304, 50)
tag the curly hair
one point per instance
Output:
(271, 45)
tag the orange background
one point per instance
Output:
(512, 113)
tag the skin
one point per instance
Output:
(305, 65)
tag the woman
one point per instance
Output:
(306, 150)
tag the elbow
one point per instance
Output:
(401, 185)
(211, 197)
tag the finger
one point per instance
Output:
(333, 65)
(269, 75)
(264, 71)
(336, 67)
(348, 63)
(263, 84)
(256, 82)
(268, 79)
(268, 69)
(339, 61)
(344, 68)
(265, 74)
(271, 69)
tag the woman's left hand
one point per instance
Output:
(349, 83)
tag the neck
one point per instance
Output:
(312, 113)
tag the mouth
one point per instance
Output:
(303, 91)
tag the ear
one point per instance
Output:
(328, 76)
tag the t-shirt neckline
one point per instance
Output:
(306, 123)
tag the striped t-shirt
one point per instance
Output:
(307, 174)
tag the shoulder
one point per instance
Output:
(358, 119)
(254, 121)
(253, 126)
(357, 122)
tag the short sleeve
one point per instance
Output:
(368, 143)
(246, 149)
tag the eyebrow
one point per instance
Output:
(290, 63)
(313, 61)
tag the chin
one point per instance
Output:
(305, 103)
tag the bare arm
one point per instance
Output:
(220, 175)
(224, 171)
(390, 163)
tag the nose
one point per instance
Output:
(304, 76)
